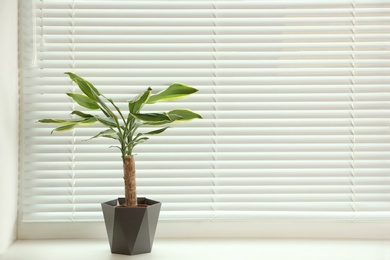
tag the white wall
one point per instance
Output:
(8, 122)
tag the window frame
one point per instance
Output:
(337, 228)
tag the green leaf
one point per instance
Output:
(85, 86)
(155, 132)
(60, 121)
(173, 92)
(182, 115)
(81, 114)
(84, 101)
(108, 132)
(115, 146)
(153, 117)
(174, 117)
(140, 140)
(92, 93)
(64, 128)
(51, 121)
(104, 108)
(107, 121)
(115, 137)
(136, 104)
(88, 121)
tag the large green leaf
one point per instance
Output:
(88, 121)
(106, 121)
(173, 92)
(64, 128)
(156, 132)
(68, 124)
(85, 86)
(153, 117)
(136, 104)
(61, 121)
(81, 114)
(84, 101)
(104, 108)
(182, 115)
(92, 93)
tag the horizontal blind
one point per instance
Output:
(294, 95)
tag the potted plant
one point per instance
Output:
(130, 221)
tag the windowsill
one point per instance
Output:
(208, 248)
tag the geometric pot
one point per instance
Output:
(131, 231)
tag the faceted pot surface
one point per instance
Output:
(131, 231)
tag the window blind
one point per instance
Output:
(294, 95)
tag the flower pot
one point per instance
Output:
(131, 230)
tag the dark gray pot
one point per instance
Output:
(131, 230)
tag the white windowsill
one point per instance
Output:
(208, 248)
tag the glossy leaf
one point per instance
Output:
(84, 101)
(183, 115)
(68, 122)
(105, 109)
(155, 132)
(60, 121)
(136, 104)
(64, 128)
(106, 121)
(153, 117)
(173, 92)
(81, 114)
(85, 86)
(88, 121)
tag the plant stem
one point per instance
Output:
(130, 183)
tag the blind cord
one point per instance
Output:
(34, 34)
(215, 106)
(41, 19)
(73, 167)
(34, 62)
(353, 148)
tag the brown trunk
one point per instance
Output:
(129, 178)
